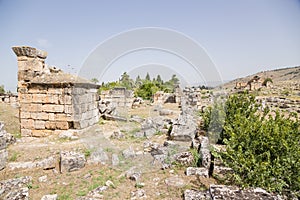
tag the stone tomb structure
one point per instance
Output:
(50, 99)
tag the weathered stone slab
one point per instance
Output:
(196, 195)
(184, 158)
(3, 158)
(71, 161)
(219, 192)
(50, 197)
(200, 171)
(205, 152)
(175, 182)
(48, 163)
(98, 157)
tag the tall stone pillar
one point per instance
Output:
(31, 63)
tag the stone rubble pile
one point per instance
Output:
(15, 188)
(5, 140)
(220, 192)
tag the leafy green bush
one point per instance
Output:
(266, 81)
(262, 148)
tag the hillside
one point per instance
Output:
(278, 76)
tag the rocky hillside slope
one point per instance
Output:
(279, 76)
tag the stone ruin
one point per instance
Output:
(50, 99)
(9, 98)
(118, 97)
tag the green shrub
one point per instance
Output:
(262, 149)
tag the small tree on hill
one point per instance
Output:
(2, 91)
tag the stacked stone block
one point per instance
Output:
(51, 100)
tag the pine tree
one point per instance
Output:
(147, 78)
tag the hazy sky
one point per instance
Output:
(240, 37)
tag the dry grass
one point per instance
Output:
(10, 117)
(79, 183)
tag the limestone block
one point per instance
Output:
(39, 124)
(36, 107)
(41, 133)
(61, 117)
(26, 75)
(53, 108)
(22, 58)
(76, 100)
(26, 132)
(33, 64)
(39, 115)
(76, 125)
(51, 99)
(3, 158)
(84, 107)
(69, 109)
(25, 115)
(84, 124)
(57, 91)
(77, 117)
(71, 161)
(25, 107)
(62, 125)
(2, 143)
(93, 90)
(50, 125)
(51, 116)
(77, 109)
(29, 52)
(22, 88)
(27, 124)
(65, 99)
(25, 98)
(195, 194)
(79, 91)
(67, 91)
(200, 171)
(37, 90)
(38, 98)
(95, 113)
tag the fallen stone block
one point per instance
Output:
(114, 118)
(98, 156)
(3, 158)
(205, 152)
(50, 197)
(133, 173)
(48, 163)
(115, 160)
(71, 161)
(200, 171)
(165, 112)
(138, 194)
(184, 158)
(129, 153)
(219, 192)
(196, 195)
(175, 182)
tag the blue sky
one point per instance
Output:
(240, 37)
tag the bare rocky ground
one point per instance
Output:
(122, 164)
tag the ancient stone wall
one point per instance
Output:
(197, 97)
(51, 100)
(9, 98)
(118, 97)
